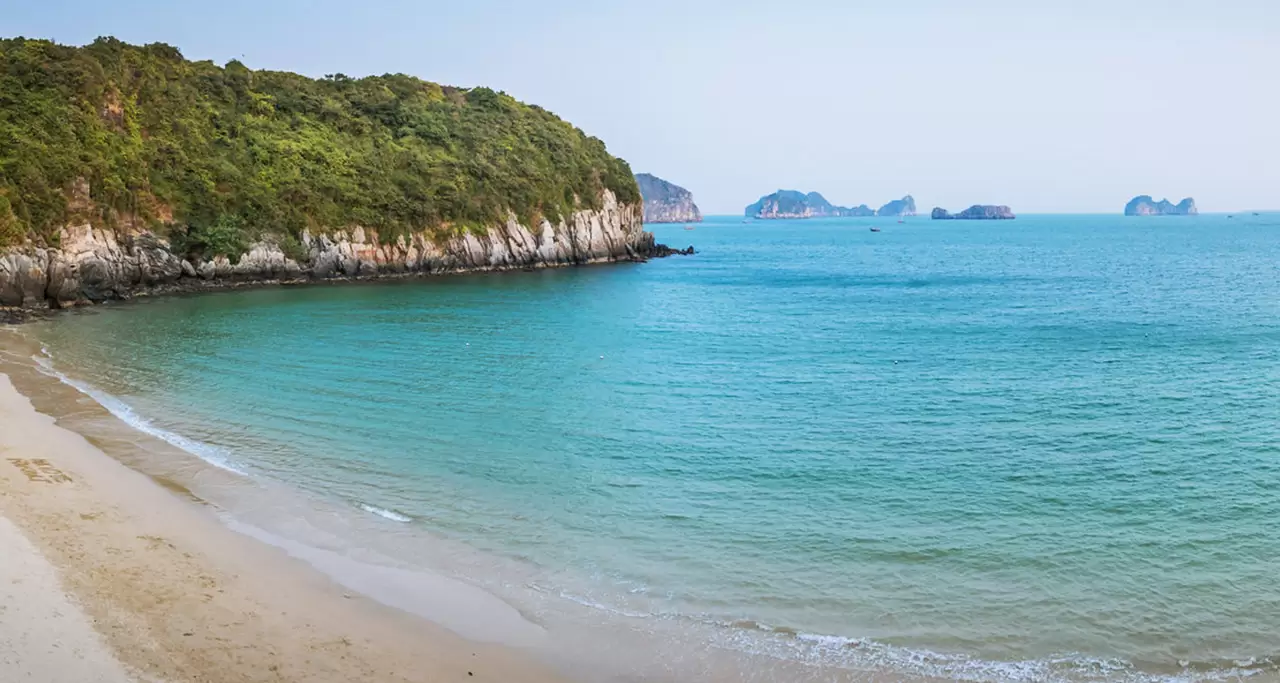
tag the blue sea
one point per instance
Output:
(1040, 449)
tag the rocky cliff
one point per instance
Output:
(977, 212)
(793, 204)
(1144, 205)
(665, 202)
(899, 207)
(92, 264)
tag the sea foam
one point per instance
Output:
(125, 413)
(386, 514)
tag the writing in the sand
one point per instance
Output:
(40, 470)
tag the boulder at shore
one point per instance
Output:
(1144, 205)
(977, 212)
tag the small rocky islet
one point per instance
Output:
(1144, 205)
(977, 212)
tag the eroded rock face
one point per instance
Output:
(666, 202)
(23, 277)
(92, 264)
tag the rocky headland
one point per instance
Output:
(128, 170)
(977, 212)
(1144, 205)
(666, 202)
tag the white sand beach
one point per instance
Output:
(106, 575)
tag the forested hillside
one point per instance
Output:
(217, 156)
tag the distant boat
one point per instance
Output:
(1230, 216)
(875, 229)
(688, 227)
(901, 219)
(1255, 213)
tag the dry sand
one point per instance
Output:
(43, 636)
(121, 577)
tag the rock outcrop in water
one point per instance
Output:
(665, 202)
(899, 207)
(92, 264)
(977, 212)
(793, 204)
(1144, 205)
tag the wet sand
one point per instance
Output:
(134, 581)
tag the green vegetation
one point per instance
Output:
(215, 157)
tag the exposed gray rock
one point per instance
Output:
(94, 264)
(666, 202)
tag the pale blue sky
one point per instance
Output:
(1046, 106)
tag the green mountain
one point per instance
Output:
(214, 157)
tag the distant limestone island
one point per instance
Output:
(666, 202)
(977, 212)
(899, 207)
(795, 204)
(1144, 205)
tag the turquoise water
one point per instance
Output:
(1043, 448)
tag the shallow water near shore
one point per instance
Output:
(1042, 449)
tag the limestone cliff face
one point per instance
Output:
(665, 202)
(93, 264)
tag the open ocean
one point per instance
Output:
(1040, 449)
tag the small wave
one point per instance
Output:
(864, 654)
(125, 413)
(386, 514)
(588, 602)
(824, 651)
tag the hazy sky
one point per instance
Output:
(1046, 106)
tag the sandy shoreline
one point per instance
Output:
(158, 587)
(162, 553)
